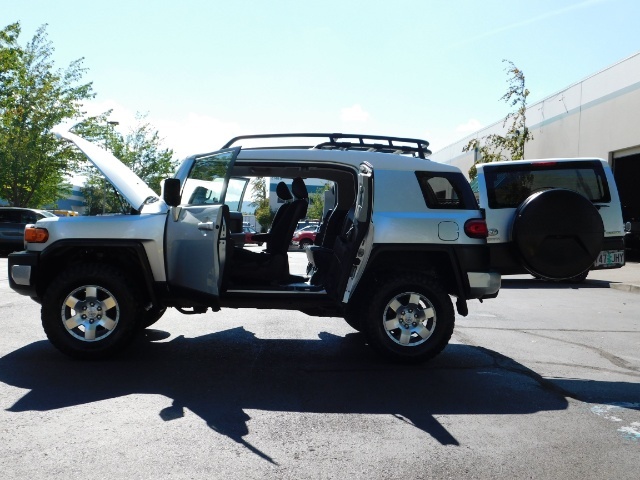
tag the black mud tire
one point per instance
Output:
(410, 319)
(558, 234)
(353, 319)
(106, 299)
(151, 316)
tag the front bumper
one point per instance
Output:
(22, 270)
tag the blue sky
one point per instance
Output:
(205, 71)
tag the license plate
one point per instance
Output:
(610, 258)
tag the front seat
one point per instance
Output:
(284, 194)
(282, 231)
(272, 265)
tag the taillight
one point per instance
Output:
(33, 234)
(476, 228)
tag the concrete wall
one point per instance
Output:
(595, 117)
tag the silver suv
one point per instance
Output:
(554, 218)
(404, 235)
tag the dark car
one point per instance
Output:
(12, 223)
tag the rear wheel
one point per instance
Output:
(304, 243)
(90, 311)
(353, 320)
(152, 315)
(410, 318)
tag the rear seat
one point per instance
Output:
(328, 262)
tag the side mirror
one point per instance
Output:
(171, 192)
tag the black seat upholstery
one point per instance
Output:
(273, 264)
(282, 232)
(330, 227)
(328, 263)
(284, 194)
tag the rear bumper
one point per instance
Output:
(23, 270)
(505, 259)
(612, 254)
(484, 284)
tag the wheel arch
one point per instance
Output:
(127, 255)
(437, 262)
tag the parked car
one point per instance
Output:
(12, 223)
(554, 218)
(249, 232)
(390, 268)
(307, 224)
(305, 236)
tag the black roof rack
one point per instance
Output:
(344, 141)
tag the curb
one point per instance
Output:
(625, 287)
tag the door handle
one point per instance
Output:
(205, 225)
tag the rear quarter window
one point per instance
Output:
(510, 185)
(446, 190)
(9, 216)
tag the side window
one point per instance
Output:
(206, 182)
(29, 217)
(446, 190)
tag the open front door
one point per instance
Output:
(197, 231)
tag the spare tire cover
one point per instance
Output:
(558, 233)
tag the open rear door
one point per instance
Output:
(361, 246)
(197, 231)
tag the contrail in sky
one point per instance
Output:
(553, 13)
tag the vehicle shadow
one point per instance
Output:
(221, 375)
(521, 283)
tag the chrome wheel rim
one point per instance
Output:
(90, 313)
(409, 319)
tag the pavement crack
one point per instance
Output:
(615, 360)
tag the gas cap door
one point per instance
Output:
(448, 231)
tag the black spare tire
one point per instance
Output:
(558, 234)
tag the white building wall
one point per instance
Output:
(595, 117)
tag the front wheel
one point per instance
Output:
(410, 318)
(89, 311)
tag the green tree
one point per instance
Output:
(491, 148)
(140, 149)
(316, 203)
(264, 214)
(34, 97)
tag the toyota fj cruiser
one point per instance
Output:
(554, 218)
(404, 235)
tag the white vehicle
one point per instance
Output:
(553, 218)
(405, 234)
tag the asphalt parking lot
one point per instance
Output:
(542, 382)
